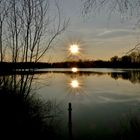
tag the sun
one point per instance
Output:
(74, 48)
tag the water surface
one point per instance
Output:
(100, 98)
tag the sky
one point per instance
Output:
(99, 35)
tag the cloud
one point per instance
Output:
(116, 33)
(103, 99)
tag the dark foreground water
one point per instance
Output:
(103, 100)
(105, 104)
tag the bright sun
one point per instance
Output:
(74, 48)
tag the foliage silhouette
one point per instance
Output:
(25, 116)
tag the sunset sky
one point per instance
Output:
(99, 35)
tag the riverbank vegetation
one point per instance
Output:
(127, 61)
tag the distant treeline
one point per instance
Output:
(96, 64)
(127, 61)
(8, 66)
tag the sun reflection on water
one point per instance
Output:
(76, 87)
(74, 83)
(74, 69)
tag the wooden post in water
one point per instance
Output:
(70, 120)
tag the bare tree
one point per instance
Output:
(28, 29)
(3, 12)
(31, 28)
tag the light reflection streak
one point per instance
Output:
(74, 69)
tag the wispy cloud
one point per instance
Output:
(103, 99)
(117, 33)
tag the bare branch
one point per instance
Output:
(28, 25)
(136, 48)
(123, 6)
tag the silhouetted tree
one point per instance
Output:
(29, 28)
(126, 59)
(114, 59)
(4, 7)
(135, 56)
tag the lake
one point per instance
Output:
(101, 98)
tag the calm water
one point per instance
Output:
(101, 98)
